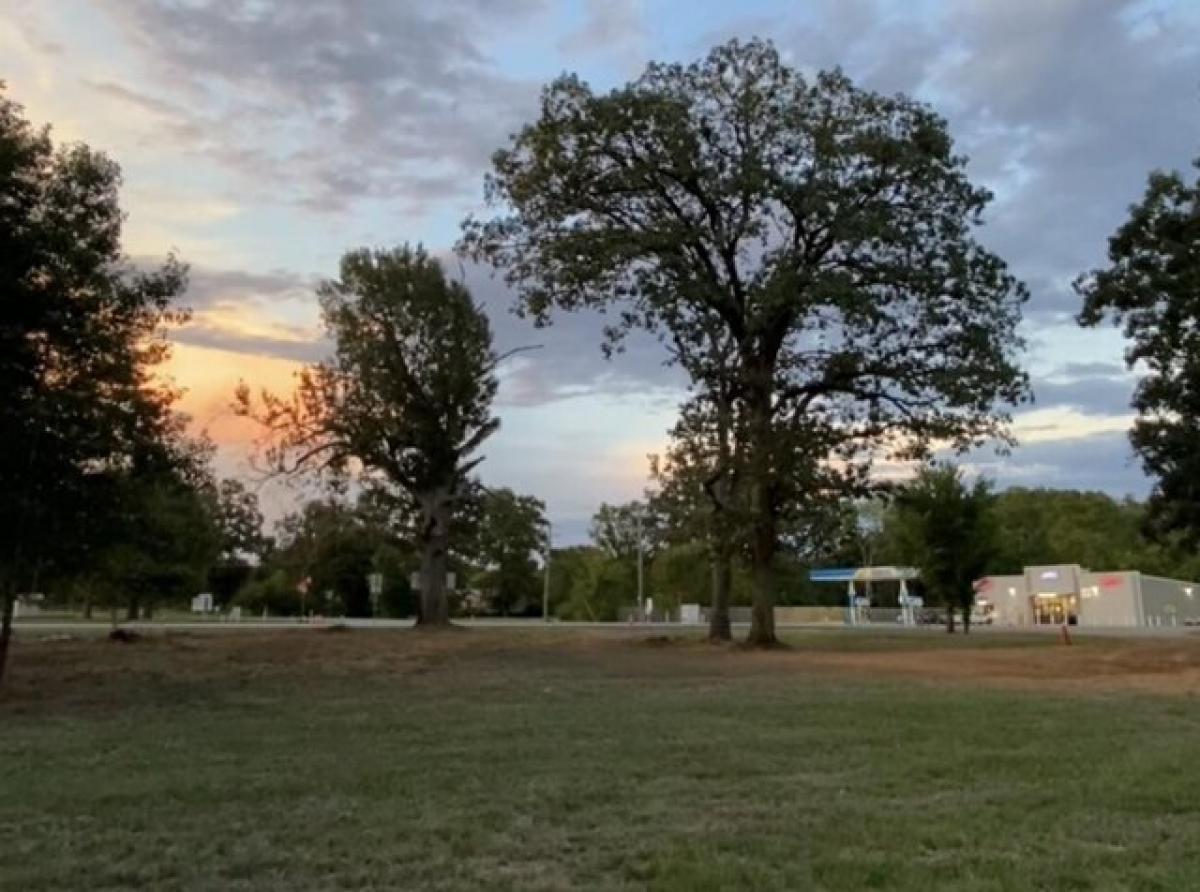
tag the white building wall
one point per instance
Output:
(1010, 597)
(1169, 602)
(1109, 599)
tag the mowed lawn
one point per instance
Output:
(552, 760)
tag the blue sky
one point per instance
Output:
(261, 138)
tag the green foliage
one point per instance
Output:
(680, 574)
(1152, 288)
(395, 564)
(567, 566)
(617, 529)
(226, 579)
(512, 533)
(1031, 527)
(589, 585)
(238, 519)
(824, 231)
(272, 591)
(405, 401)
(81, 330)
(946, 530)
(1040, 526)
(330, 546)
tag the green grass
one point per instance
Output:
(503, 762)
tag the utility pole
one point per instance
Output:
(641, 601)
(546, 575)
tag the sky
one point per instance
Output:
(260, 139)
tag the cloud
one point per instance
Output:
(1091, 102)
(1103, 462)
(231, 328)
(146, 103)
(615, 27)
(1096, 369)
(1063, 107)
(1090, 394)
(569, 362)
(328, 103)
(208, 287)
(275, 315)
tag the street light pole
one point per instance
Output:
(546, 576)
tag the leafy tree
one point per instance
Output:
(238, 518)
(239, 524)
(162, 542)
(406, 397)
(270, 591)
(682, 574)
(828, 230)
(601, 587)
(327, 550)
(621, 530)
(81, 330)
(395, 563)
(1046, 526)
(512, 533)
(699, 495)
(948, 535)
(629, 535)
(567, 566)
(1151, 287)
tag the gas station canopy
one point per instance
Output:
(864, 574)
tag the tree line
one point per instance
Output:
(808, 251)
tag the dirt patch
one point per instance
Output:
(91, 673)
(1160, 666)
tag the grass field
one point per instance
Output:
(551, 760)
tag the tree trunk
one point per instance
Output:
(720, 491)
(762, 512)
(87, 607)
(131, 609)
(950, 619)
(966, 619)
(722, 579)
(435, 540)
(6, 621)
(762, 615)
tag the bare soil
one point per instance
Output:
(69, 670)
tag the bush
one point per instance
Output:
(273, 593)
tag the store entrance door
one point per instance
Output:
(1055, 610)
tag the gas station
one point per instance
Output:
(860, 609)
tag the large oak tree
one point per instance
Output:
(405, 401)
(829, 230)
(1151, 286)
(81, 332)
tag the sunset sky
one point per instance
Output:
(262, 138)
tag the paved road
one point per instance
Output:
(55, 626)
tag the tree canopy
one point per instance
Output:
(1151, 287)
(405, 402)
(81, 334)
(828, 231)
(945, 529)
(512, 536)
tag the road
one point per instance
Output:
(68, 626)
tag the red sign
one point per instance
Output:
(1111, 581)
(983, 585)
